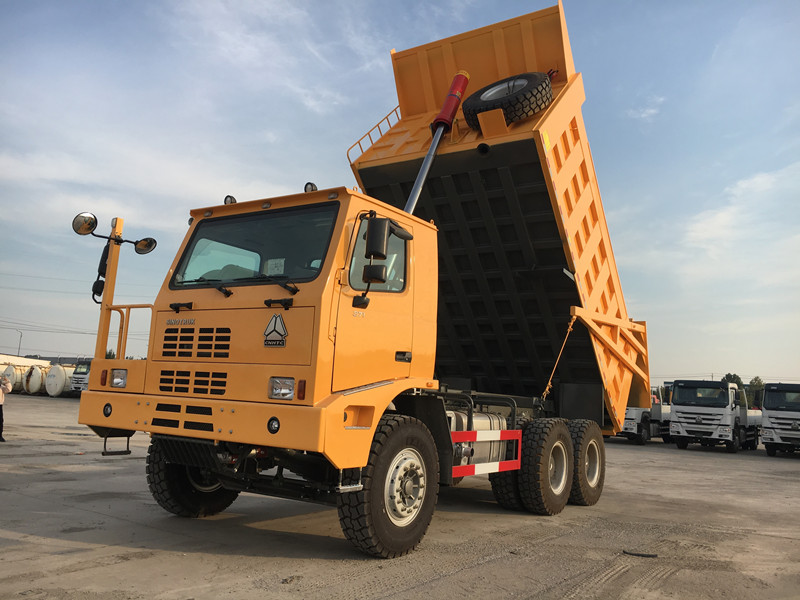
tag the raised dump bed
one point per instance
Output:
(523, 240)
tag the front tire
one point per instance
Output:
(772, 449)
(183, 490)
(682, 443)
(545, 479)
(590, 462)
(735, 444)
(642, 433)
(390, 515)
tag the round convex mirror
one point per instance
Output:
(84, 224)
(145, 245)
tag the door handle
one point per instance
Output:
(401, 356)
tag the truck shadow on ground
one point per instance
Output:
(254, 526)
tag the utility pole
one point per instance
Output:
(20, 341)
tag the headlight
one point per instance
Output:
(119, 378)
(281, 388)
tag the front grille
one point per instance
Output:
(170, 416)
(698, 433)
(195, 382)
(192, 342)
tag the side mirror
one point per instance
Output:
(144, 246)
(84, 223)
(736, 403)
(374, 274)
(378, 231)
(377, 238)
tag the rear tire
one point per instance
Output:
(519, 97)
(545, 479)
(182, 490)
(589, 462)
(390, 515)
(505, 485)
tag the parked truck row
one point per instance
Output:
(713, 413)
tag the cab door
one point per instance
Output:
(373, 342)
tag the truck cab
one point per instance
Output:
(265, 311)
(711, 413)
(644, 423)
(780, 417)
(80, 377)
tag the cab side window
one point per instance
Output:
(395, 264)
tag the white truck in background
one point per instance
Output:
(711, 413)
(80, 377)
(643, 424)
(780, 417)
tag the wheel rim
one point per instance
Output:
(592, 463)
(201, 480)
(405, 487)
(501, 90)
(557, 468)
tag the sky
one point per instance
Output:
(144, 110)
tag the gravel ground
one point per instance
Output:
(697, 523)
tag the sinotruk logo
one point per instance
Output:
(275, 333)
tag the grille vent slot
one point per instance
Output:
(191, 342)
(210, 383)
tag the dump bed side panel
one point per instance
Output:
(524, 245)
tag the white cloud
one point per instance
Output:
(648, 110)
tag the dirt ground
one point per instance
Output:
(697, 523)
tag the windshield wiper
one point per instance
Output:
(199, 280)
(281, 280)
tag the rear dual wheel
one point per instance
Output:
(590, 462)
(505, 484)
(545, 477)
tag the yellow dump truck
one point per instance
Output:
(331, 346)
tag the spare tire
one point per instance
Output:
(519, 97)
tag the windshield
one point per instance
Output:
(782, 400)
(81, 369)
(699, 396)
(286, 245)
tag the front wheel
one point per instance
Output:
(772, 449)
(735, 444)
(682, 443)
(390, 515)
(545, 477)
(589, 462)
(642, 433)
(183, 490)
